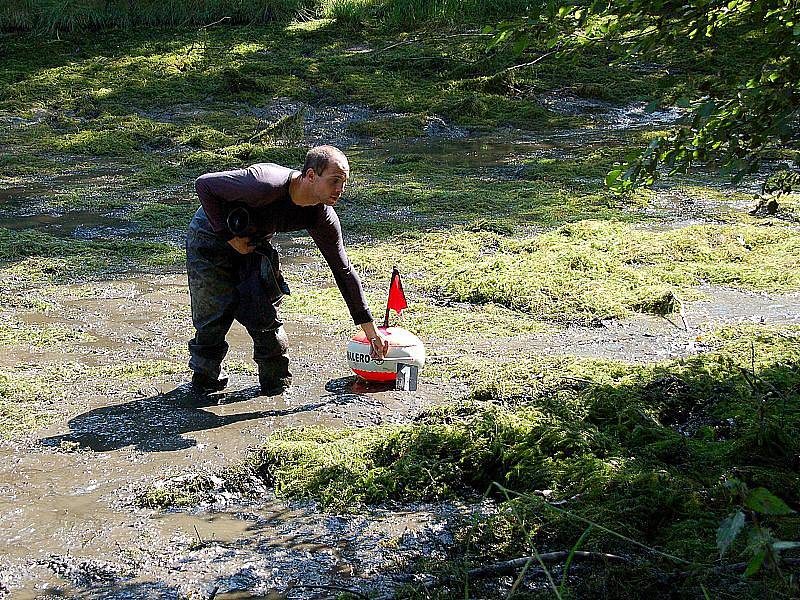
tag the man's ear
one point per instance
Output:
(310, 174)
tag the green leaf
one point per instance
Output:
(728, 530)
(520, 45)
(755, 563)
(763, 501)
(683, 102)
(612, 177)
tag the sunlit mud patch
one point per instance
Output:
(302, 553)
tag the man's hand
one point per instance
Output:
(379, 344)
(243, 245)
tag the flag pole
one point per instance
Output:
(391, 281)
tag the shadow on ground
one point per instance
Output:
(159, 423)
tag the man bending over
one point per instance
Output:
(234, 271)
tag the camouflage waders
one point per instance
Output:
(225, 285)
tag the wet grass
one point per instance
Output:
(34, 395)
(352, 14)
(115, 93)
(26, 403)
(145, 370)
(187, 491)
(589, 270)
(30, 257)
(39, 336)
(501, 191)
(442, 321)
(642, 450)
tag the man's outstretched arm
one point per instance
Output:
(327, 234)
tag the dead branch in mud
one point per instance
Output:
(740, 567)
(577, 379)
(682, 312)
(510, 566)
(528, 64)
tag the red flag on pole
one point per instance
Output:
(397, 299)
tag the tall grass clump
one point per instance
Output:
(412, 14)
(82, 15)
(591, 269)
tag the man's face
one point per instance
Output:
(329, 186)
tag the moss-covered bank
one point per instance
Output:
(642, 450)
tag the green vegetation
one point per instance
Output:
(145, 370)
(187, 491)
(26, 402)
(395, 127)
(39, 336)
(156, 217)
(590, 270)
(114, 94)
(194, 488)
(426, 319)
(396, 14)
(642, 450)
(30, 256)
(32, 396)
(445, 186)
(741, 111)
(71, 16)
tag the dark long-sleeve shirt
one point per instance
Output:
(264, 189)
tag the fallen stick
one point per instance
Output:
(509, 566)
(512, 565)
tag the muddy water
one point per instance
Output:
(84, 204)
(648, 338)
(67, 523)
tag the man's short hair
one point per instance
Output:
(318, 158)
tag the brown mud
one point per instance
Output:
(66, 506)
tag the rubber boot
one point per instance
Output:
(205, 383)
(274, 376)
